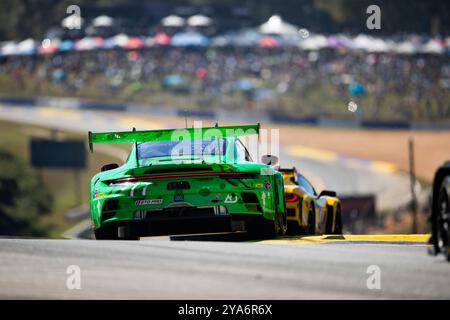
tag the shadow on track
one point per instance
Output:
(219, 237)
(241, 237)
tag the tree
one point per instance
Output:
(23, 199)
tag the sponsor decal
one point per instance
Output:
(231, 198)
(258, 185)
(265, 197)
(267, 185)
(98, 194)
(178, 197)
(147, 202)
(132, 189)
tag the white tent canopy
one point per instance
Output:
(87, 43)
(313, 42)
(173, 21)
(362, 42)
(276, 25)
(405, 47)
(71, 22)
(199, 20)
(433, 47)
(103, 21)
(26, 46)
(380, 45)
(121, 40)
(9, 48)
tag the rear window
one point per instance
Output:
(306, 184)
(155, 149)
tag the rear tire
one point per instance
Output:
(132, 238)
(311, 227)
(110, 233)
(283, 224)
(443, 224)
(105, 233)
(338, 223)
(272, 227)
(329, 222)
(264, 229)
(294, 229)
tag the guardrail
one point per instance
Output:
(71, 103)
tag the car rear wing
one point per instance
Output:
(172, 134)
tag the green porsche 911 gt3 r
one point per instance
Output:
(185, 181)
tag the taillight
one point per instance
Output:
(291, 197)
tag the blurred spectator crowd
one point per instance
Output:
(275, 70)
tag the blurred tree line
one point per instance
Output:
(20, 19)
(23, 199)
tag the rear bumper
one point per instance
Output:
(174, 226)
(235, 200)
(182, 225)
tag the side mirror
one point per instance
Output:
(270, 160)
(110, 166)
(327, 193)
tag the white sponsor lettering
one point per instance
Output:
(231, 198)
(147, 202)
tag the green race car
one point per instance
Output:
(186, 181)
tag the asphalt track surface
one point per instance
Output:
(222, 267)
(219, 269)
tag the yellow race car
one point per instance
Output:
(307, 211)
